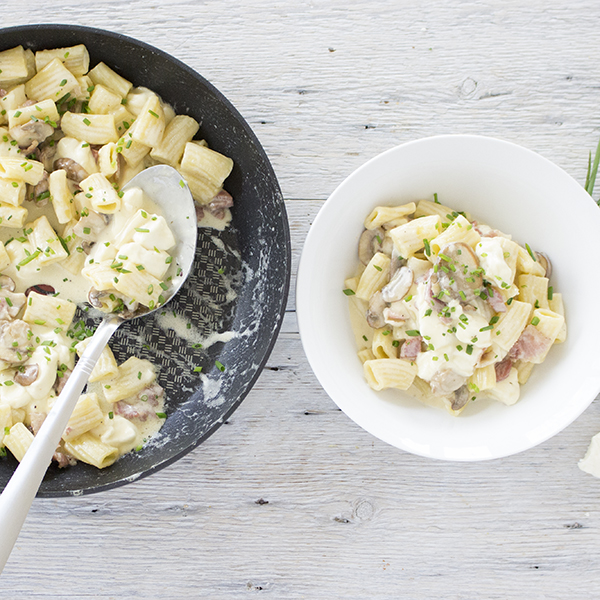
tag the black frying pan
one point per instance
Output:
(239, 283)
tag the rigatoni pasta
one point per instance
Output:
(457, 311)
(70, 139)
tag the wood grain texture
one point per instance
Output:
(290, 499)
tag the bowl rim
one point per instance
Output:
(302, 300)
(279, 311)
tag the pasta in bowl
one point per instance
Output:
(449, 309)
(475, 178)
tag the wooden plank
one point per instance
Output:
(290, 499)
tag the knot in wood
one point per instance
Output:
(364, 510)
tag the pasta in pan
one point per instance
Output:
(70, 139)
(449, 309)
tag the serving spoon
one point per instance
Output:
(165, 187)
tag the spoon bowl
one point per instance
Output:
(166, 188)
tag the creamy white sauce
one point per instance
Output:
(491, 257)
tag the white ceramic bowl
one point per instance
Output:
(509, 188)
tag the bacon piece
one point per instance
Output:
(531, 345)
(503, 369)
(63, 460)
(496, 301)
(411, 348)
(60, 382)
(219, 203)
(36, 419)
(132, 411)
(143, 405)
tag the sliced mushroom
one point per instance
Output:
(10, 303)
(396, 314)
(87, 246)
(459, 275)
(374, 314)
(14, 341)
(397, 260)
(399, 285)
(369, 243)
(6, 283)
(27, 375)
(75, 172)
(387, 246)
(31, 134)
(460, 398)
(89, 226)
(45, 154)
(41, 288)
(545, 262)
(40, 190)
(112, 301)
(443, 383)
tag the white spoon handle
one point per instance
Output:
(23, 485)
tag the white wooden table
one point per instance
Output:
(290, 499)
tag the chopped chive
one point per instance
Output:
(219, 365)
(378, 267)
(469, 349)
(197, 369)
(161, 415)
(535, 321)
(427, 247)
(550, 293)
(530, 251)
(153, 113)
(413, 332)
